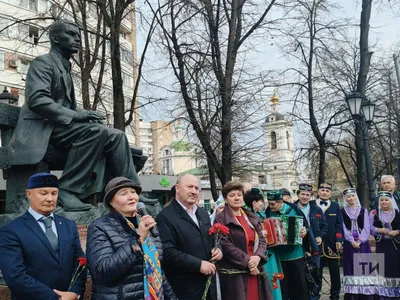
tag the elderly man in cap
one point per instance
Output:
(332, 242)
(294, 285)
(39, 251)
(317, 223)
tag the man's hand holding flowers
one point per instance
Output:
(207, 268)
(216, 254)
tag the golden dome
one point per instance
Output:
(275, 99)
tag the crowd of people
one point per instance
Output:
(130, 255)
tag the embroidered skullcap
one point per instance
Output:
(274, 195)
(42, 180)
(325, 185)
(305, 187)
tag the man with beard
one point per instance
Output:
(317, 224)
(332, 242)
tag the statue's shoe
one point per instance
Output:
(71, 202)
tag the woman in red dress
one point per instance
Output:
(244, 250)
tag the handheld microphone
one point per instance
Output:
(143, 212)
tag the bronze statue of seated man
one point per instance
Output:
(51, 116)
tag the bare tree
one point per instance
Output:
(206, 41)
(313, 36)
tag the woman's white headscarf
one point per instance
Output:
(384, 194)
(348, 192)
(220, 201)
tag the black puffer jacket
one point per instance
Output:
(117, 269)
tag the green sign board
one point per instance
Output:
(164, 182)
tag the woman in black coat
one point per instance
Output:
(123, 258)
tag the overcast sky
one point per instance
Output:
(384, 33)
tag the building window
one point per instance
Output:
(14, 91)
(33, 35)
(1, 60)
(127, 79)
(167, 152)
(167, 166)
(262, 179)
(273, 140)
(127, 56)
(24, 66)
(287, 139)
(29, 4)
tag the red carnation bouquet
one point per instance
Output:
(218, 230)
(81, 266)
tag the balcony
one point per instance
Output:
(126, 24)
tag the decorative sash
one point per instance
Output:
(152, 279)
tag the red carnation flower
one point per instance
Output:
(318, 216)
(82, 266)
(356, 238)
(338, 235)
(374, 212)
(315, 253)
(82, 261)
(219, 228)
(212, 231)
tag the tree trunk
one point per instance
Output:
(118, 93)
(213, 184)
(321, 165)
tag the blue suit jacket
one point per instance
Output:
(318, 224)
(30, 266)
(334, 219)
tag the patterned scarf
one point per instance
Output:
(152, 281)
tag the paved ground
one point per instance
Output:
(325, 292)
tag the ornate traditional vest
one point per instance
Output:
(360, 219)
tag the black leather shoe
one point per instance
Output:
(71, 202)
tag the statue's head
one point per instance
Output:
(65, 35)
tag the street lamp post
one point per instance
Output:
(7, 98)
(362, 111)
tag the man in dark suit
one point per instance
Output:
(39, 251)
(188, 248)
(51, 116)
(332, 243)
(317, 224)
